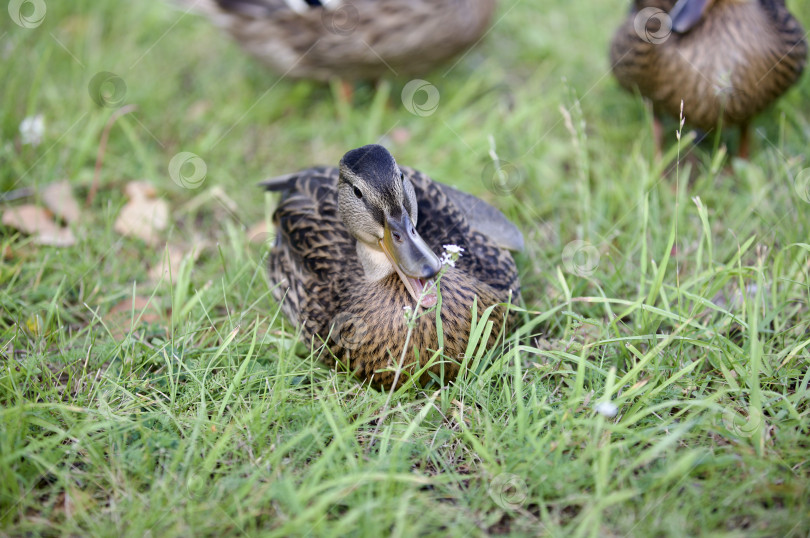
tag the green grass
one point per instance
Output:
(209, 418)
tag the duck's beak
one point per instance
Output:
(413, 260)
(685, 14)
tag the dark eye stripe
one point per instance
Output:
(377, 214)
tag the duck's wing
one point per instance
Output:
(793, 40)
(449, 216)
(485, 218)
(313, 251)
(307, 220)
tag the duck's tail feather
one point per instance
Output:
(280, 183)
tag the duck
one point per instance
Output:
(354, 266)
(726, 60)
(352, 39)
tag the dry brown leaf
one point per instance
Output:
(401, 135)
(176, 255)
(73, 501)
(120, 317)
(140, 189)
(144, 216)
(36, 221)
(61, 237)
(60, 200)
(29, 219)
(167, 268)
(260, 233)
(138, 303)
(198, 109)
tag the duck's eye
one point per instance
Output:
(402, 176)
(358, 193)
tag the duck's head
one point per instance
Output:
(377, 204)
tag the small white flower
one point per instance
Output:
(32, 129)
(451, 254)
(607, 409)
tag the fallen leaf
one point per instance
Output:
(170, 268)
(120, 317)
(261, 233)
(61, 237)
(29, 219)
(169, 265)
(198, 109)
(137, 302)
(401, 135)
(59, 199)
(140, 189)
(36, 221)
(144, 216)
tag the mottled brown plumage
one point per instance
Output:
(352, 39)
(726, 59)
(323, 287)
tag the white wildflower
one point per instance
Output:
(451, 254)
(408, 313)
(607, 409)
(32, 129)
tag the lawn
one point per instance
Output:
(657, 383)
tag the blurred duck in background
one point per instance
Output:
(351, 39)
(726, 60)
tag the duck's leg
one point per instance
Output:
(658, 136)
(342, 93)
(745, 140)
(346, 91)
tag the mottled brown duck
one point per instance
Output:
(356, 248)
(352, 39)
(726, 59)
